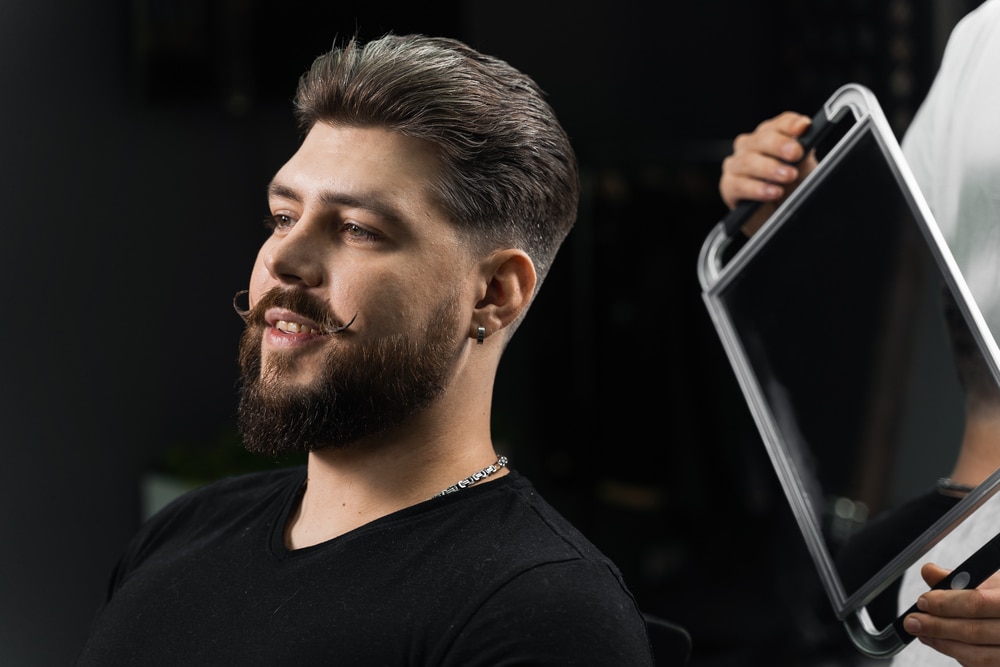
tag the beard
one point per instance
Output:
(363, 387)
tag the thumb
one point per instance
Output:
(932, 574)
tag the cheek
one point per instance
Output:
(382, 301)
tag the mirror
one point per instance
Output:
(854, 340)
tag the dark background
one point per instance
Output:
(137, 137)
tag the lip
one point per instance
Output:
(286, 327)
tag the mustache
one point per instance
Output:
(295, 300)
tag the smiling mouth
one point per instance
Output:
(296, 328)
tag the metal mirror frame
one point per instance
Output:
(716, 273)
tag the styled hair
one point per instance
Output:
(509, 176)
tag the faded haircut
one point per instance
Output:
(509, 176)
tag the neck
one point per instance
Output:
(351, 487)
(445, 443)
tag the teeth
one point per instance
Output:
(295, 328)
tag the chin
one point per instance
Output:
(281, 371)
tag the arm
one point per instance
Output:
(963, 624)
(764, 165)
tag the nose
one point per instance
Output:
(295, 257)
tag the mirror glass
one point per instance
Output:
(861, 345)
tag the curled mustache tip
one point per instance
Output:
(244, 313)
(343, 328)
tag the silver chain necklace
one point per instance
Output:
(475, 477)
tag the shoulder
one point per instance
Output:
(516, 516)
(235, 489)
(524, 538)
(559, 598)
(983, 17)
(972, 35)
(209, 507)
(565, 613)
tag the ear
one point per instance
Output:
(508, 284)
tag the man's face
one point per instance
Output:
(356, 239)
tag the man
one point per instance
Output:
(410, 232)
(952, 149)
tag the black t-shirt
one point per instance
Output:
(491, 575)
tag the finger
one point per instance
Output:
(776, 137)
(770, 143)
(790, 122)
(759, 165)
(962, 604)
(932, 574)
(755, 177)
(734, 189)
(979, 631)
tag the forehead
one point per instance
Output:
(367, 165)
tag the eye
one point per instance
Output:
(357, 232)
(277, 221)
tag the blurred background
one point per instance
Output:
(137, 138)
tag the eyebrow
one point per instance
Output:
(367, 202)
